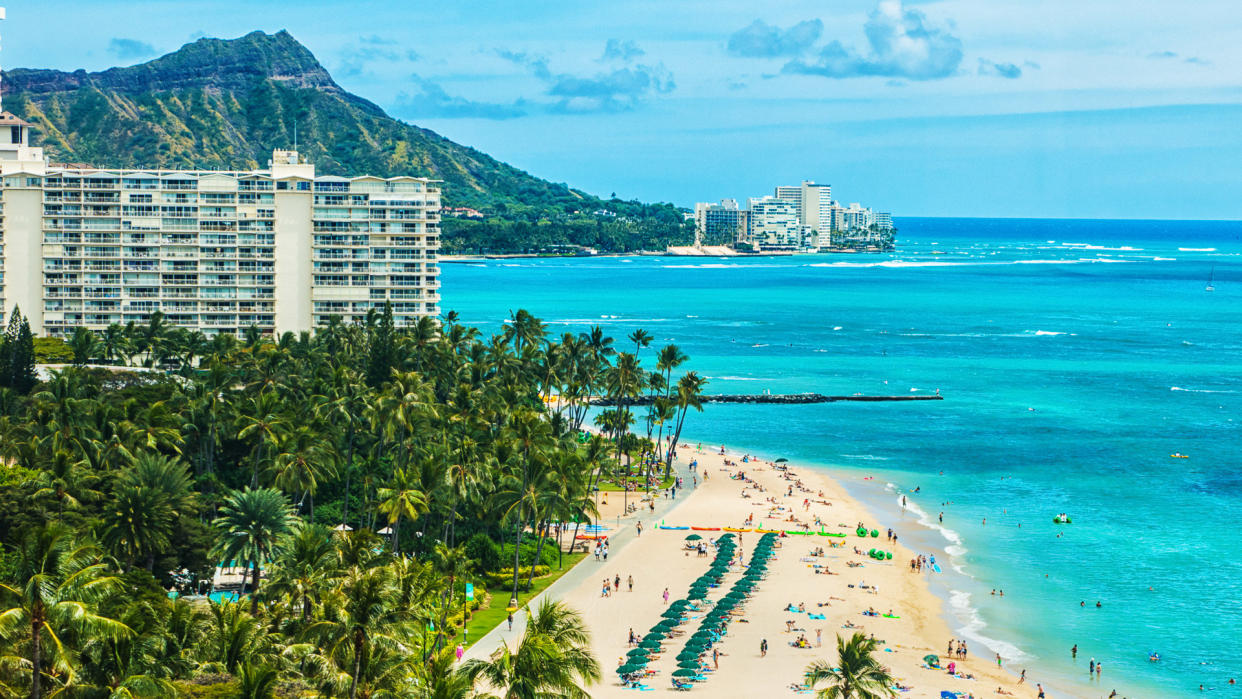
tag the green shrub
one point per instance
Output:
(484, 552)
(505, 575)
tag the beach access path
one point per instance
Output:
(658, 559)
(621, 532)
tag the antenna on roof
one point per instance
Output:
(295, 134)
(1, 74)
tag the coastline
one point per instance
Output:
(656, 559)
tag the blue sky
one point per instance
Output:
(1057, 108)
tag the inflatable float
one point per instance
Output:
(665, 526)
(837, 534)
(1062, 520)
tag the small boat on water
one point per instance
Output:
(1178, 455)
(1211, 278)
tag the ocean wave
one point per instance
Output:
(865, 457)
(1197, 249)
(1088, 246)
(733, 378)
(837, 327)
(1164, 259)
(973, 625)
(901, 264)
(1197, 390)
(1048, 332)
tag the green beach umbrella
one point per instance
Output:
(684, 672)
(627, 669)
(693, 537)
(638, 652)
(650, 645)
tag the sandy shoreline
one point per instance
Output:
(657, 560)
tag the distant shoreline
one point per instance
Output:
(451, 259)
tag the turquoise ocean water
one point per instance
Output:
(1074, 357)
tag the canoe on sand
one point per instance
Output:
(706, 529)
(737, 529)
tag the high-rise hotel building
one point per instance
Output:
(217, 251)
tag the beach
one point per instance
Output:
(725, 493)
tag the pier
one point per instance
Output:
(777, 399)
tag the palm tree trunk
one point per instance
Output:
(538, 551)
(353, 681)
(254, 593)
(36, 656)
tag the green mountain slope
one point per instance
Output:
(227, 103)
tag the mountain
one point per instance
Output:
(227, 103)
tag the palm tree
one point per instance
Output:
(553, 659)
(689, 395)
(441, 680)
(250, 524)
(138, 524)
(233, 637)
(401, 499)
(305, 562)
(52, 602)
(261, 420)
(858, 674)
(365, 634)
(257, 682)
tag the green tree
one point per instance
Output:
(52, 603)
(250, 524)
(858, 674)
(553, 659)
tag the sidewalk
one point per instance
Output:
(624, 532)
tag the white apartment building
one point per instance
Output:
(217, 251)
(774, 225)
(718, 223)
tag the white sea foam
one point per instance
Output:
(1048, 332)
(1197, 249)
(1088, 246)
(1164, 259)
(733, 378)
(1197, 390)
(973, 625)
(837, 327)
(899, 264)
(866, 457)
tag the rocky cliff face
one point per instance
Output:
(227, 103)
(214, 63)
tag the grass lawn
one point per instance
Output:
(489, 617)
(637, 482)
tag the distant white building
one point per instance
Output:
(716, 224)
(774, 225)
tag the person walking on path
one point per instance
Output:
(666, 595)
(763, 648)
(460, 652)
(640, 527)
(510, 621)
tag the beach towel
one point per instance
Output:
(817, 616)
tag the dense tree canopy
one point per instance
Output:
(355, 479)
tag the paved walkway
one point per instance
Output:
(622, 533)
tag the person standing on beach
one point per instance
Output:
(998, 660)
(819, 637)
(630, 580)
(1091, 667)
(1074, 652)
(666, 595)
(763, 648)
(640, 527)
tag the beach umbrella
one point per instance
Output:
(933, 660)
(688, 665)
(781, 460)
(628, 668)
(672, 613)
(693, 537)
(684, 672)
(636, 652)
(654, 636)
(697, 594)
